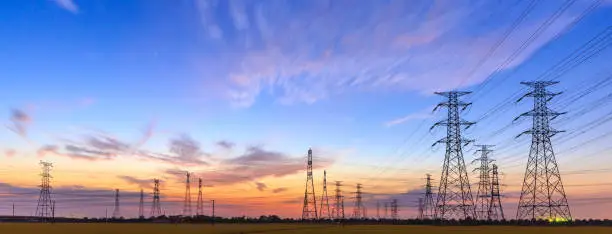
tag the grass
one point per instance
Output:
(100, 228)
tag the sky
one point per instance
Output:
(117, 93)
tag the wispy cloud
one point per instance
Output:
(142, 183)
(423, 114)
(279, 190)
(9, 153)
(19, 122)
(68, 5)
(226, 144)
(261, 186)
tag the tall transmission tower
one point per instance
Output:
(394, 209)
(43, 209)
(483, 197)
(116, 213)
(187, 201)
(156, 207)
(428, 204)
(309, 211)
(454, 196)
(200, 205)
(542, 195)
(339, 203)
(141, 205)
(496, 211)
(358, 209)
(324, 209)
(421, 214)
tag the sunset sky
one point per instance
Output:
(117, 93)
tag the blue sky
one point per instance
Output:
(354, 79)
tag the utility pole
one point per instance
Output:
(116, 213)
(496, 211)
(53, 211)
(542, 195)
(378, 210)
(43, 209)
(324, 200)
(309, 210)
(428, 206)
(187, 202)
(213, 212)
(200, 205)
(357, 210)
(339, 205)
(141, 205)
(454, 194)
(156, 207)
(483, 197)
(13, 209)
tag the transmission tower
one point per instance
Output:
(420, 215)
(483, 198)
(339, 204)
(542, 196)
(496, 211)
(43, 209)
(428, 205)
(324, 210)
(386, 210)
(358, 209)
(141, 205)
(156, 208)
(394, 209)
(454, 196)
(200, 205)
(377, 209)
(116, 213)
(309, 211)
(187, 201)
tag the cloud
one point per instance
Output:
(68, 5)
(19, 122)
(226, 144)
(303, 53)
(184, 151)
(261, 186)
(423, 114)
(279, 190)
(9, 153)
(142, 183)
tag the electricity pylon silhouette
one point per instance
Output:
(339, 202)
(200, 205)
(116, 213)
(141, 205)
(156, 206)
(420, 215)
(324, 209)
(309, 210)
(454, 196)
(43, 209)
(394, 209)
(542, 195)
(428, 204)
(187, 201)
(496, 211)
(483, 197)
(358, 209)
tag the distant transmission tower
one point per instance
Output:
(483, 198)
(420, 214)
(377, 209)
(454, 195)
(386, 210)
(339, 203)
(358, 209)
(542, 196)
(141, 205)
(116, 213)
(43, 209)
(394, 209)
(496, 211)
(428, 204)
(156, 207)
(309, 211)
(200, 205)
(324, 210)
(187, 201)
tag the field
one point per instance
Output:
(17, 228)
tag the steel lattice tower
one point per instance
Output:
(200, 205)
(141, 205)
(187, 201)
(116, 213)
(358, 209)
(454, 194)
(428, 205)
(483, 197)
(309, 210)
(339, 203)
(386, 210)
(496, 211)
(156, 207)
(420, 215)
(394, 209)
(542, 195)
(377, 209)
(43, 209)
(324, 209)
